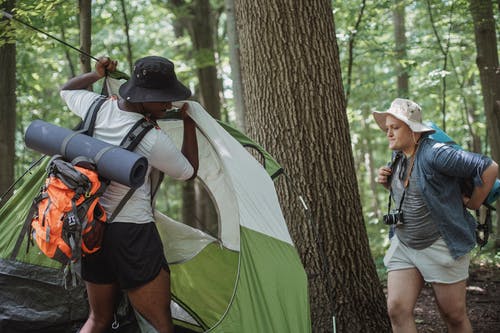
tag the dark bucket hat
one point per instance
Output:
(153, 80)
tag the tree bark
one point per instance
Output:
(85, 16)
(296, 108)
(400, 41)
(489, 72)
(7, 107)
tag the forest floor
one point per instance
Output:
(483, 303)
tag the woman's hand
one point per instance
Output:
(183, 111)
(105, 64)
(383, 176)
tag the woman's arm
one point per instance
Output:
(480, 193)
(85, 80)
(190, 143)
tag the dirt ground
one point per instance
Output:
(483, 303)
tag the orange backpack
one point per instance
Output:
(68, 221)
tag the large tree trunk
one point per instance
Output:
(296, 108)
(400, 39)
(85, 16)
(7, 107)
(489, 72)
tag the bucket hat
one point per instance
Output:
(405, 110)
(153, 80)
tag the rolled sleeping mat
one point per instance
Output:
(112, 162)
(441, 136)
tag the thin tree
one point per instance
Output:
(7, 103)
(296, 108)
(350, 59)
(445, 50)
(197, 17)
(126, 29)
(85, 17)
(489, 72)
(234, 59)
(400, 50)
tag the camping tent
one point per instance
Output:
(246, 278)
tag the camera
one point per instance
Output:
(395, 216)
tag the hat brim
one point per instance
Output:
(135, 94)
(414, 126)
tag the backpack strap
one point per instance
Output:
(130, 142)
(24, 230)
(88, 124)
(136, 133)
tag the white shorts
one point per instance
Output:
(434, 263)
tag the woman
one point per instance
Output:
(131, 257)
(433, 231)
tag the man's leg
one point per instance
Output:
(450, 299)
(403, 288)
(152, 301)
(102, 299)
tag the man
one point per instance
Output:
(131, 257)
(433, 232)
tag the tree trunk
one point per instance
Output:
(85, 33)
(7, 107)
(200, 24)
(234, 59)
(296, 108)
(489, 72)
(202, 36)
(400, 39)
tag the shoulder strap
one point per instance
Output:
(130, 142)
(136, 134)
(88, 123)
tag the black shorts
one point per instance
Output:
(131, 255)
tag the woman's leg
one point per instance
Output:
(403, 288)
(102, 301)
(152, 301)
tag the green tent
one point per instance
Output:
(247, 277)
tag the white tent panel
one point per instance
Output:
(251, 187)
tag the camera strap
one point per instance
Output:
(406, 183)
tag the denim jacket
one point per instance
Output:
(439, 169)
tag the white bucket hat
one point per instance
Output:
(405, 110)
